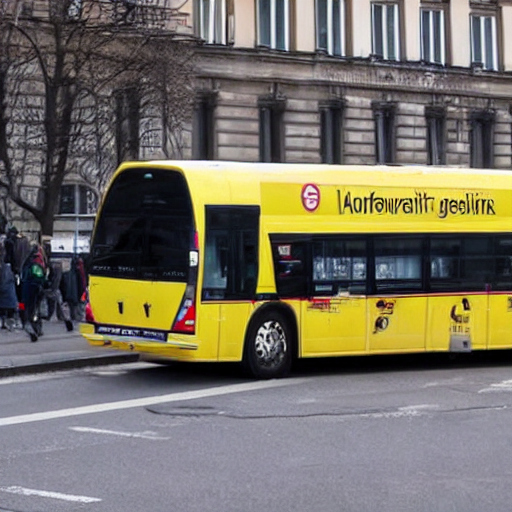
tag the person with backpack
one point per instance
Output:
(33, 279)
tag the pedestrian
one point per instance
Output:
(17, 248)
(9, 243)
(12, 242)
(33, 277)
(8, 299)
(73, 286)
(54, 296)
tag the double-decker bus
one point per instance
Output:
(264, 263)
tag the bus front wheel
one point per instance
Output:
(268, 347)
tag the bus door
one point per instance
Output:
(460, 307)
(500, 301)
(397, 312)
(230, 275)
(334, 314)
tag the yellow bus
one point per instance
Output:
(264, 263)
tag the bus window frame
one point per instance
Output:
(235, 233)
(421, 285)
(339, 286)
(399, 285)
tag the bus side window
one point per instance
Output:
(249, 263)
(216, 261)
(290, 268)
(339, 266)
(398, 264)
(477, 264)
(463, 263)
(445, 253)
(231, 252)
(503, 273)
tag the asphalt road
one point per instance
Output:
(375, 434)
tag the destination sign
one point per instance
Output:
(421, 203)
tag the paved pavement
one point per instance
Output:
(56, 349)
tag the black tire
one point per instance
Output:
(268, 346)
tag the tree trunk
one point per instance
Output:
(46, 221)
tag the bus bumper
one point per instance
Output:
(173, 348)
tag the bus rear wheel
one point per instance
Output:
(268, 347)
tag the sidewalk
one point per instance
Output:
(57, 349)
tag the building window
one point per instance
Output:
(204, 126)
(436, 122)
(384, 115)
(125, 11)
(210, 20)
(484, 43)
(77, 200)
(127, 123)
(433, 47)
(26, 9)
(74, 8)
(331, 119)
(274, 24)
(330, 26)
(385, 31)
(271, 113)
(482, 139)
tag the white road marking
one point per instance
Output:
(104, 371)
(139, 435)
(151, 400)
(443, 382)
(401, 412)
(504, 385)
(17, 379)
(122, 369)
(14, 489)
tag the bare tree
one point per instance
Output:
(60, 60)
(168, 88)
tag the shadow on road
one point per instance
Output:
(405, 363)
(230, 372)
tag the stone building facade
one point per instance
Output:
(361, 82)
(342, 81)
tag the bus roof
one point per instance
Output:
(328, 174)
(409, 198)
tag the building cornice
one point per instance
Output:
(313, 68)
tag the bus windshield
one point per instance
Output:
(146, 228)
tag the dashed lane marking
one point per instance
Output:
(504, 385)
(140, 435)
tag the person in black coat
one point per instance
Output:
(8, 298)
(33, 279)
(54, 296)
(10, 249)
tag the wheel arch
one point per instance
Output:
(289, 316)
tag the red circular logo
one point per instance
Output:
(310, 197)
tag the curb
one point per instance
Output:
(67, 364)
